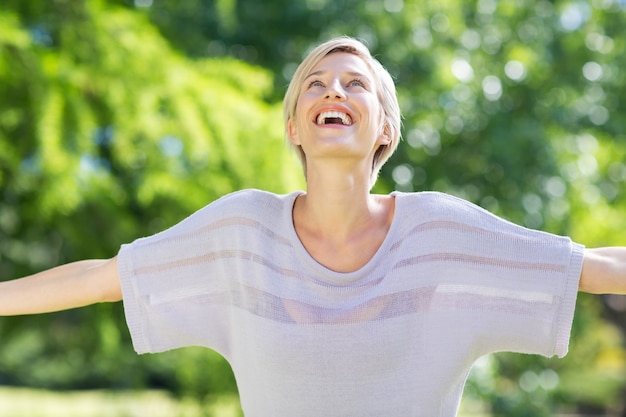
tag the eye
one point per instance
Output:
(316, 83)
(357, 82)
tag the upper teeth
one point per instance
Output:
(345, 119)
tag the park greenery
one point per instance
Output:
(120, 118)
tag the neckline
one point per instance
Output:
(326, 275)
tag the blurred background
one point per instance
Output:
(120, 118)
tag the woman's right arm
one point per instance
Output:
(67, 286)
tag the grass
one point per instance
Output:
(25, 402)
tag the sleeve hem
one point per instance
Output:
(566, 312)
(132, 308)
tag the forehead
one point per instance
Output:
(341, 62)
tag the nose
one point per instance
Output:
(335, 91)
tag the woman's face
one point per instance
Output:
(338, 113)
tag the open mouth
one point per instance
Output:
(333, 118)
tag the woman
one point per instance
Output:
(335, 301)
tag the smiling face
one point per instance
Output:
(383, 86)
(338, 113)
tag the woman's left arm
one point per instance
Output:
(604, 271)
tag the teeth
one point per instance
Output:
(345, 119)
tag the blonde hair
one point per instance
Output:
(385, 88)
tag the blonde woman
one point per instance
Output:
(337, 301)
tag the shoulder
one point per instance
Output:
(440, 203)
(226, 215)
(448, 211)
(252, 202)
(433, 206)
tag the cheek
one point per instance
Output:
(303, 101)
(298, 111)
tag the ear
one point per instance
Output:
(385, 136)
(292, 132)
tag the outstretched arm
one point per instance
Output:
(73, 285)
(604, 271)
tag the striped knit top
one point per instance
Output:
(450, 283)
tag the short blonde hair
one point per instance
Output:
(385, 88)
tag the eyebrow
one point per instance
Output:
(351, 73)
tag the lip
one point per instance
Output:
(341, 109)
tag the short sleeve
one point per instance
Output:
(181, 286)
(172, 296)
(175, 284)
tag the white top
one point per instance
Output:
(450, 283)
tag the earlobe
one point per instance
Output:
(292, 132)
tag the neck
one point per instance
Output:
(338, 221)
(338, 202)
